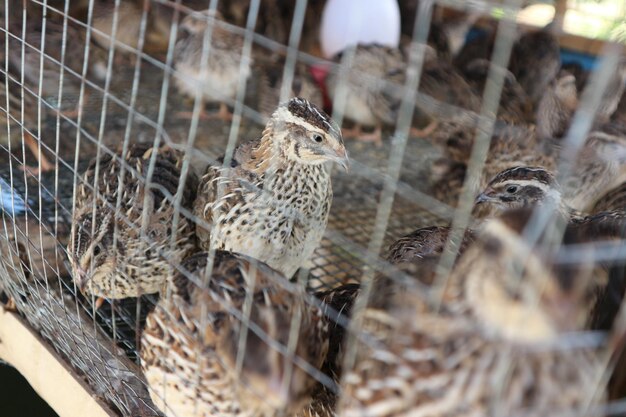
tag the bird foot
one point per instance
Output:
(425, 131)
(10, 305)
(223, 114)
(98, 303)
(357, 133)
(35, 171)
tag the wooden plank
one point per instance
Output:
(46, 372)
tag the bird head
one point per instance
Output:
(196, 23)
(90, 251)
(306, 134)
(518, 187)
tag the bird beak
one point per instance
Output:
(483, 198)
(340, 156)
(81, 278)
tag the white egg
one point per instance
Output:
(351, 22)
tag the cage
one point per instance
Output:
(110, 101)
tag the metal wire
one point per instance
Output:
(385, 196)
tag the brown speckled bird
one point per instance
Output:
(217, 77)
(126, 253)
(372, 84)
(497, 342)
(515, 106)
(190, 345)
(520, 187)
(272, 202)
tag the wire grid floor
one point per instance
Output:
(102, 345)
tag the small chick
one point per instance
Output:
(372, 84)
(130, 252)
(192, 340)
(272, 202)
(217, 77)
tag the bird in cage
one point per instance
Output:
(123, 239)
(522, 187)
(500, 337)
(515, 106)
(535, 61)
(212, 71)
(560, 101)
(220, 343)
(516, 188)
(271, 202)
(369, 88)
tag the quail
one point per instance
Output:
(192, 340)
(515, 106)
(214, 72)
(535, 61)
(272, 201)
(117, 254)
(371, 85)
(494, 342)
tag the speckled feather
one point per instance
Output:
(183, 345)
(134, 266)
(370, 81)
(449, 360)
(218, 77)
(271, 207)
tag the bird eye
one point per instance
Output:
(318, 138)
(512, 189)
(97, 250)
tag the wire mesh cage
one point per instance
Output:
(170, 230)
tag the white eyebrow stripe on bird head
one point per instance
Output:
(527, 183)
